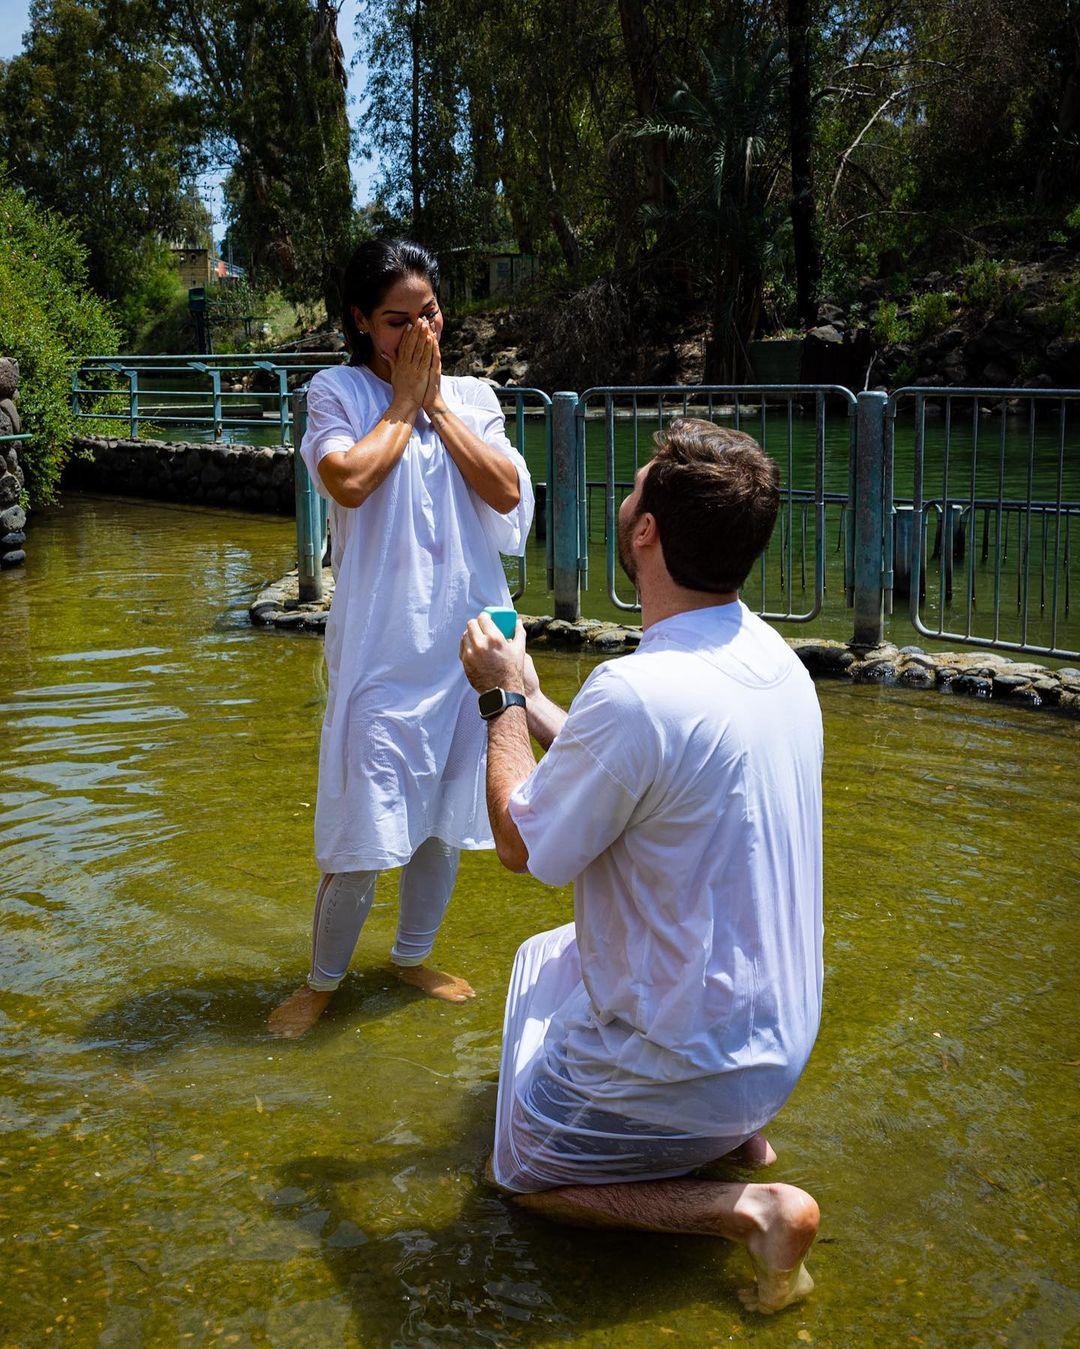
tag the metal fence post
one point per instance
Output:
(564, 497)
(133, 403)
(869, 519)
(308, 521)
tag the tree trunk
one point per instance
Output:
(801, 141)
(641, 66)
(736, 315)
(414, 119)
(328, 59)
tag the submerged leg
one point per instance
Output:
(427, 881)
(776, 1223)
(342, 903)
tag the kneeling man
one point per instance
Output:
(667, 1025)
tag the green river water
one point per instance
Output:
(170, 1175)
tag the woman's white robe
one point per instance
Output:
(403, 748)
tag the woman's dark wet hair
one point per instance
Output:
(377, 265)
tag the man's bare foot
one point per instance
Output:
(785, 1221)
(754, 1153)
(434, 983)
(298, 1013)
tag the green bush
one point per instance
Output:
(49, 319)
(1067, 309)
(990, 285)
(932, 312)
(888, 327)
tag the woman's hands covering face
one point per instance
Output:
(410, 365)
(433, 400)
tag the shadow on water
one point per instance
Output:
(490, 1273)
(204, 1013)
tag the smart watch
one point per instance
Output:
(495, 701)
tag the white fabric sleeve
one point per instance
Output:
(585, 790)
(508, 532)
(328, 429)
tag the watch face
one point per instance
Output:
(491, 702)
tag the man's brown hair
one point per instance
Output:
(715, 496)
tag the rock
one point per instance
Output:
(12, 559)
(1063, 360)
(823, 657)
(1038, 318)
(1070, 702)
(827, 333)
(9, 376)
(9, 489)
(973, 685)
(15, 539)
(11, 414)
(12, 519)
(609, 641)
(1069, 672)
(917, 677)
(829, 313)
(1006, 684)
(912, 651)
(564, 633)
(996, 376)
(874, 672)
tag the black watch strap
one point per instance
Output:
(495, 701)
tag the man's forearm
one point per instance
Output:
(509, 762)
(545, 718)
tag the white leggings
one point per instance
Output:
(344, 900)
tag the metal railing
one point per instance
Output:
(990, 461)
(217, 393)
(910, 507)
(767, 411)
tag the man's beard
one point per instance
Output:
(626, 558)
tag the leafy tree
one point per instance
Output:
(49, 320)
(271, 79)
(732, 126)
(95, 127)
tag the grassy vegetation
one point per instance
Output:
(171, 330)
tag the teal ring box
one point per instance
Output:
(504, 619)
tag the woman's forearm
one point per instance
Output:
(546, 719)
(490, 474)
(350, 478)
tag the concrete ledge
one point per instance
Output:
(977, 674)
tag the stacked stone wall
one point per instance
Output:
(12, 481)
(239, 477)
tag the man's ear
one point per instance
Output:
(646, 533)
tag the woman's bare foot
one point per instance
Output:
(298, 1013)
(785, 1221)
(434, 983)
(754, 1153)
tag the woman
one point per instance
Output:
(425, 491)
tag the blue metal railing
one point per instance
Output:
(217, 393)
(766, 411)
(1026, 484)
(1025, 496)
